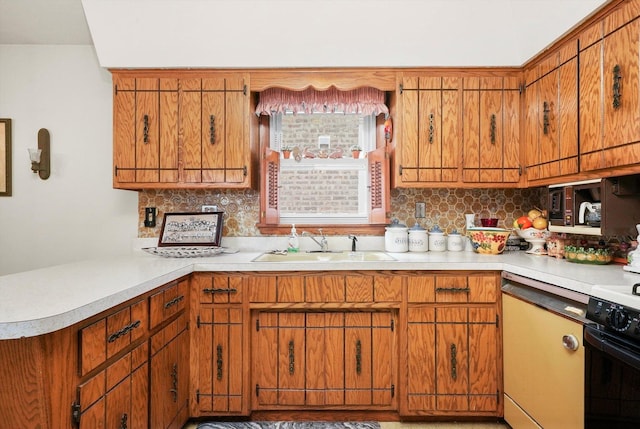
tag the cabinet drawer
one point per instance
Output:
(112, 334)
(218, 289)
(97, 386)
(474, 288)
(168, 302)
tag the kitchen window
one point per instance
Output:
(322, 182)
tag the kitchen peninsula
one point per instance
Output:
(49, 319)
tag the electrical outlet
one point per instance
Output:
(421, 209)
(209, 208)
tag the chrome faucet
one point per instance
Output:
(323, 243)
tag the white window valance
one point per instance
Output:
(364, 101)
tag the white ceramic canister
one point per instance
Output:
(437, 241)
(396, 238)
(455, 242)
(418, 239)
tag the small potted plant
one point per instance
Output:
(355, 151)
(286, 151)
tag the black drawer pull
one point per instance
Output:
(453, 289)
(220, 290)
(125, 330)
(174, 301)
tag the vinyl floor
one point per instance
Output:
(436, 425)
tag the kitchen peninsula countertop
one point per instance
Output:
(48, 299)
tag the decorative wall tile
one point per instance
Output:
(444, 207)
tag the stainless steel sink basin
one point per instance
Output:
(325, 257)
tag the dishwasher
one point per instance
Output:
(543, 354)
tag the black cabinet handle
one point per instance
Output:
(125, 330)
(174, 301)
(212, 129)
(145, 129)
(219, 362)
(454, 353)
(292, 358)
(219, 290)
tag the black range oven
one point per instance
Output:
(612, 366)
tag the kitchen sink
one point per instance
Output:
(372, 256)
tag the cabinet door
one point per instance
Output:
(145, 130)
(214, 116)
(429, 150)
(382, 357)
(621, 128)
(169, 381)
(421, 369)
(219, 336)
(568, 109)
(591, 156)
(122, 405)
(491, 130)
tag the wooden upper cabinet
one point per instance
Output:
(491, 129)
(551, 116)
(214, 116)
(429, 151)
(182, 131)
(145, 130)
(609, 90)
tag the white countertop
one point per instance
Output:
(45, 300)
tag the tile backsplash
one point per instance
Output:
(444, 207)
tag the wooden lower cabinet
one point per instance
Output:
(219, 379)
(169, 379)
(116, 396)
(389, 344)
(453, 346)
(317, 359)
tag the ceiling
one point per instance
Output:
(194, 42)
(43, 22)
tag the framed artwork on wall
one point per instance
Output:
(5, 157)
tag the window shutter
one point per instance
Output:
(379, 185)
(269, 202)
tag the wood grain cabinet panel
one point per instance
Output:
(609, 91)
(169, 376)
(430, 131)
(145, 130)
(491, 129)
(453, 347)
(174, 130)
(551, 115)
(215, 114)
(107, 337)
(116, 396)
(323, 359)
(219, 380)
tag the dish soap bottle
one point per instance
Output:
(294, 243)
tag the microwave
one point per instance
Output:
(606, 206)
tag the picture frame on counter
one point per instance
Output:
(5, 157)
(191, 229)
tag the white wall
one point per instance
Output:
(75, 214)
(327, 33)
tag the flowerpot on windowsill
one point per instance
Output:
(286, 153)
(355, 154)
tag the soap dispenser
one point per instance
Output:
(294, 243)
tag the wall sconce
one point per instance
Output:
(40, 158)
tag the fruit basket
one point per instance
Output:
(589, 255)
(536, 238)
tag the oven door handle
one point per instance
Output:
(592, 337)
